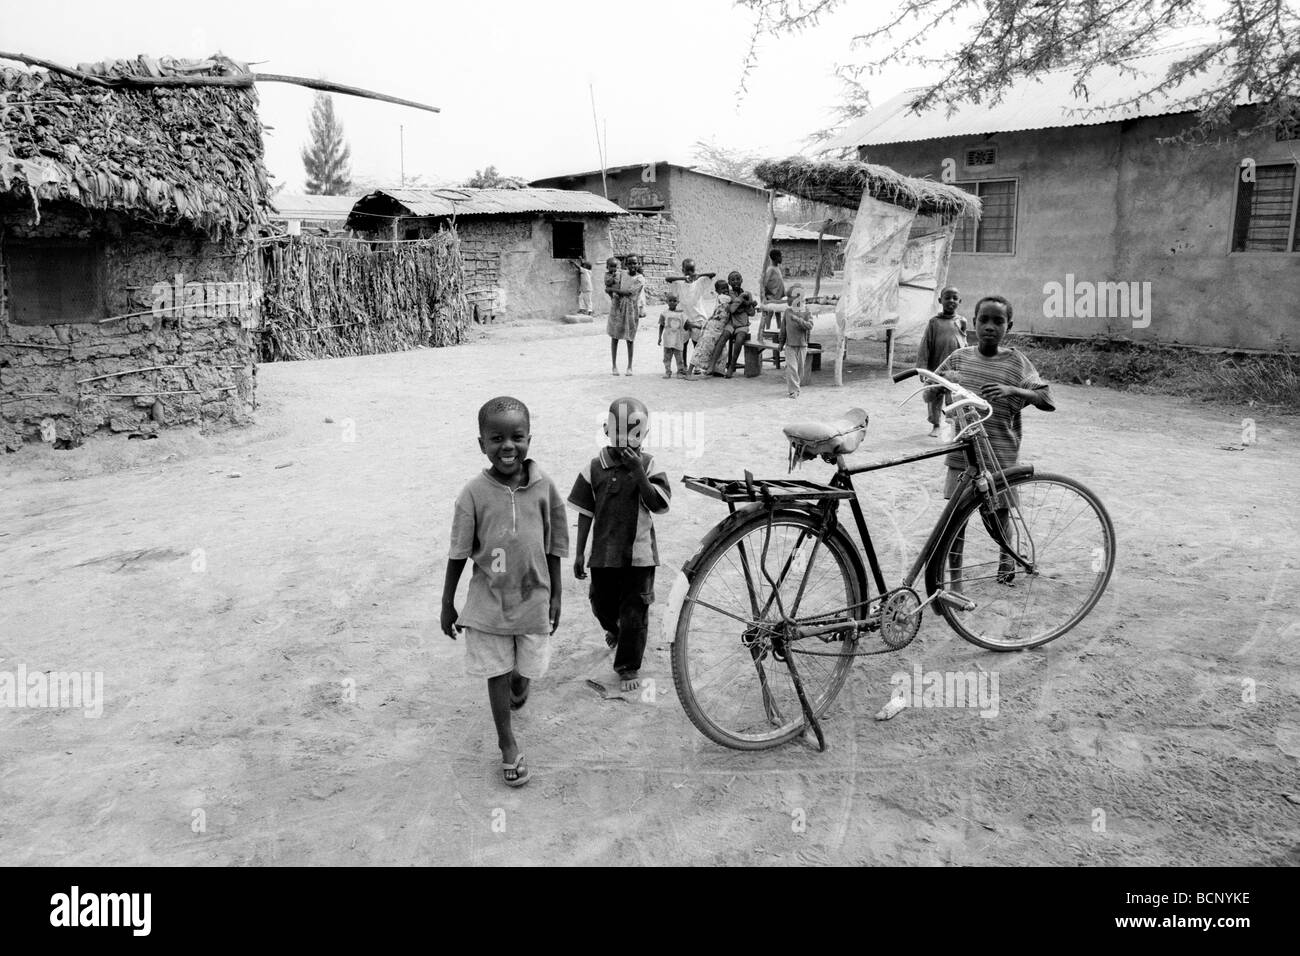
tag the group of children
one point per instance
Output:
(511, 522)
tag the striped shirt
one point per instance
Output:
(1008, 367)
(622, 527)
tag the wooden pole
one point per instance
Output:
(762, 269)
(243, 80)
(817, 280)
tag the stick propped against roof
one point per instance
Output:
(241, 80)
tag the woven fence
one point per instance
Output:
(327, 298)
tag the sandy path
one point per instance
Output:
(232, 617)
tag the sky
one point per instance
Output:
(513, 79)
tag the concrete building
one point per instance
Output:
(1095, 223)
(517, 244)
(129, 284)
(720, 223)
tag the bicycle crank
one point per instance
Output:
(900, 617)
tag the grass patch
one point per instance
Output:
(1235, 379)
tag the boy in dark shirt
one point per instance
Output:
(617, 495)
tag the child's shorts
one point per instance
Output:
(491, 655)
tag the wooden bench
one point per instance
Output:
(754, 357)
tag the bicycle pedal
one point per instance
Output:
(959, 601)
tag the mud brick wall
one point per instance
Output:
(207, 343)
(481, 244)
(800, 258)
(653, 239)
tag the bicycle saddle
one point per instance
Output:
(842, 436)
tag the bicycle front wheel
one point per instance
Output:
(729, 659)
(1060, 528)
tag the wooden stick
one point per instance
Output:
(244, 80)
(151, 368)
(340, 88)
(35, 345)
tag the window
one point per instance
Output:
(566, 240)
(985, 156)
(1266, 211)
(55, 284)
(996, 229)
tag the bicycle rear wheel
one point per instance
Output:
(728, 660)
(1058, 526)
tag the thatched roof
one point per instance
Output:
(843, 183)
(168, 154)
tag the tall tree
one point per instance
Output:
(326, 157)
(721, 161)
(1255, 48)
(489, 178)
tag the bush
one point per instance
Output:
(1263, 379)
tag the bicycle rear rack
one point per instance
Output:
(767, 490)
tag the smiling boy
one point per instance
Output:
(511, 521)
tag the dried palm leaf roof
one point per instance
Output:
(844, 182)
(169, 154)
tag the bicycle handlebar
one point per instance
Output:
(961, 395)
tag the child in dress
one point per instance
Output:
(715, 327)
(943, 335)
(626, 312)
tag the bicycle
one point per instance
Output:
(1016, 559)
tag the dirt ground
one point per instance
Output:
(263, 606)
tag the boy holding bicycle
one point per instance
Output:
(1009, 382)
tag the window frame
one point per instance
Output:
(94, 248)
(1292, 239)
(582, 230)
(1015, 217)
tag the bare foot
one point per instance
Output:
(629, 680)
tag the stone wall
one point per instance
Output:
(799, 257)
(200, 302)
(653, 240)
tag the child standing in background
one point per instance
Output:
(796, 325)
(509, 519)
(584, 285)
(692, 291)
(673, 337)
(625, 313)
(943, 335)
(617, 495)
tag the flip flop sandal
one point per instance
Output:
(521, 774)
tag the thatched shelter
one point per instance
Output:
(845, 182)
(896, 259)
(130, 285)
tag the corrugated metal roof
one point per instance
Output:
(785, 232)
(295, 206)
(1044, 102)
(611, 170)
(458, 201)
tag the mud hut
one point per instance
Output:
(129, 287)
(516, 244)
